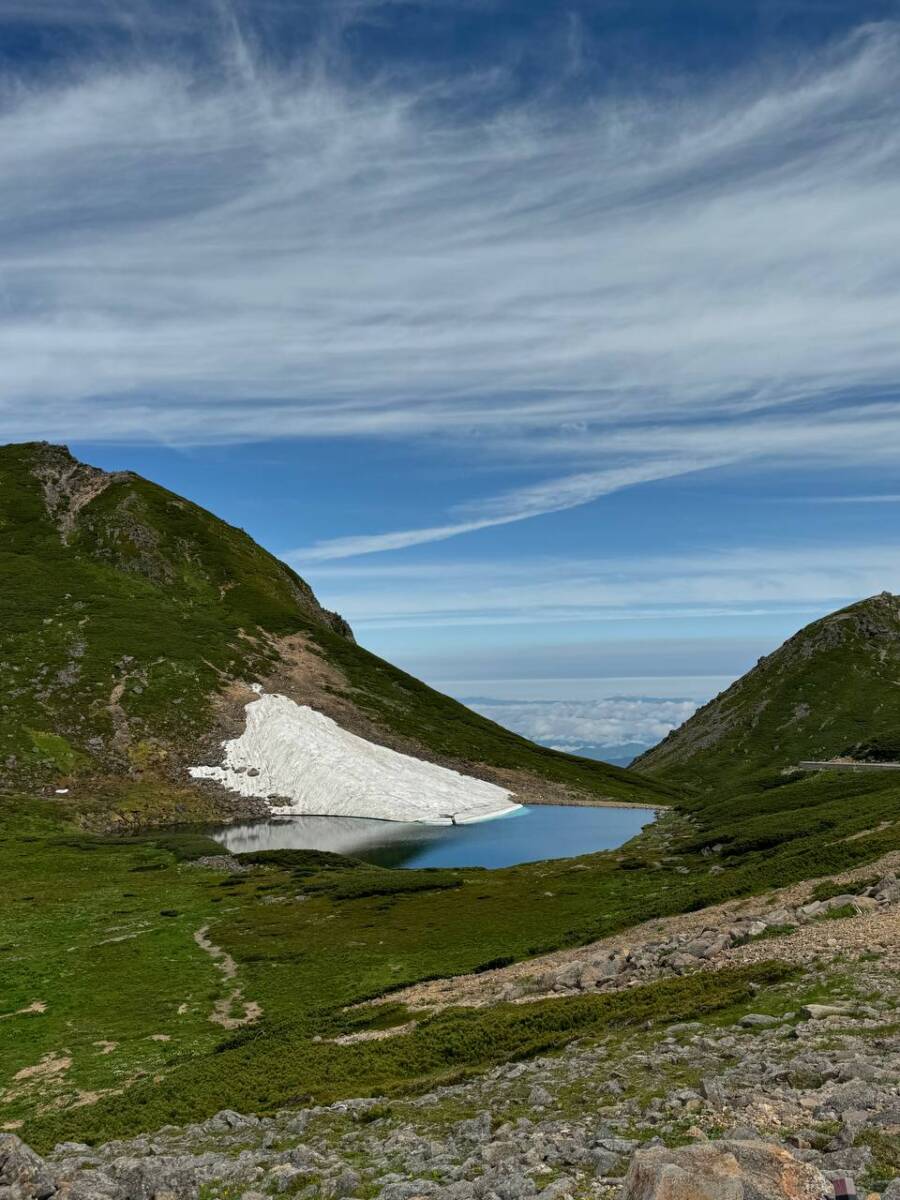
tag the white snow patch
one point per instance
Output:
(289, 752)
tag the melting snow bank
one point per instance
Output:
(302, 762)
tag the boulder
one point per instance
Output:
(779, 916)
(820, 1012)
(23, 1171)
(726, 1170)
(569, 976)
(714, 1091)
(697, 947)
(888, 889)
(475, 1130)
(860, 903)
(599, 971)
(757, 1021)
(90, 1185)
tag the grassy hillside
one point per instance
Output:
(831, 689)
(90, 925)
(126, 612)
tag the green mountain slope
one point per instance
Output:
(132, 623)
(831, 689)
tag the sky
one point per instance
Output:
(557, 346)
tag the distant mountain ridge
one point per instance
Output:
(831, 689)
(133, 622)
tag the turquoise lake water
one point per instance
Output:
(527, 835)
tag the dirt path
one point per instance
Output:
(225, 1007)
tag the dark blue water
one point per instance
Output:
(527, 835)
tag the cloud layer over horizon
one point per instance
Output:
(575, 726)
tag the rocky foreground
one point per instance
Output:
(797, 1099)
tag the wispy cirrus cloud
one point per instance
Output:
(739, 582)
(555, 495)
(613, 290)
(885, 498)
(837, 438)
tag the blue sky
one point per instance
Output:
(558, 346)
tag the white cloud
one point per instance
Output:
(579, 724)
(616, 292)
(339, 256)
(750, 581)
(869, 434)
(553, 496)
(886, 498)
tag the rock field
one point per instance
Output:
(799, 1100)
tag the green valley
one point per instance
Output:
(149, 979)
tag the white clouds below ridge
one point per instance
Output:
(576, 724)
(618, 293)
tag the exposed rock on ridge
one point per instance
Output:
(68, 485)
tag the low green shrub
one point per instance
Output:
(264, 1073)
(829, 888)
(355, 885)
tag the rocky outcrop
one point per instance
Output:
(729, 1170)
(775, 1102)
(68, 485)
(495, 1164)
(22, 1171)
(775, 1106)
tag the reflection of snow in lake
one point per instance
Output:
(303, 762)
(529, 834)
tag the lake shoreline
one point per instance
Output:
(580, 803)
(530, 833)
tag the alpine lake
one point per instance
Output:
(529, 834)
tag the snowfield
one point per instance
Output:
(303, 762)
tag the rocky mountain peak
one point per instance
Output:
(831, 685)
(67, 484)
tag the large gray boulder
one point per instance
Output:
(726, 1170)
(22, 1172)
